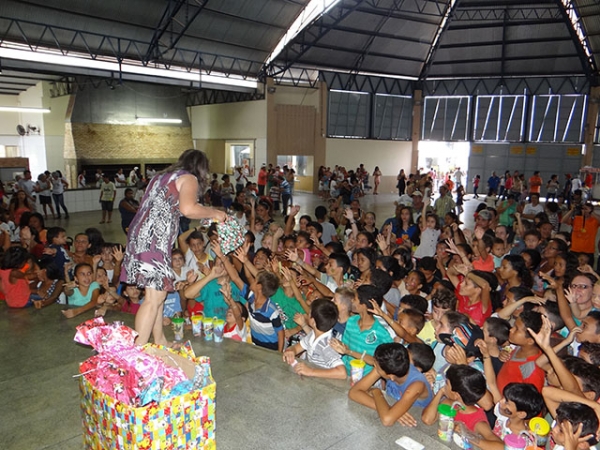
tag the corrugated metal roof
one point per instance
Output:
(396, 37)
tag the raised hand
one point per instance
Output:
(291, 255)
(216, 248)
(118, 253)
(375, 308)
(483, 348)
(542, 339)
(191, 276)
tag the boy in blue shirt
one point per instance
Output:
(57, 239)
(405, 385)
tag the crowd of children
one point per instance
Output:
(501, 321)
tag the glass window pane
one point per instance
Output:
(446, 118)
(349, 114)
(393, 117)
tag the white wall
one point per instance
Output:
(289, 95)
(54, 128)
(390, 156)
(244, 120)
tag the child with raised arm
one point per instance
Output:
(464, 386)
(405, 385)
(326, 362)
(363, 332)
(520, 403)
(83, 292)
(235, 318)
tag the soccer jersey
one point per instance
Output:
(363, 341)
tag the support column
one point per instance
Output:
(417, 116)
(590, 125)
(271, 123)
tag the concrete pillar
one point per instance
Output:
(271, 123)
(417, 116)
(590, 125)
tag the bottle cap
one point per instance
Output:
(446, 410)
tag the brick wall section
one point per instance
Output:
(93, 141)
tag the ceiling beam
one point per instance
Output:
(521, 23)
(175, 21)
(508, 42)
(443, 26)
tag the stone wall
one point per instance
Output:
(95, 142)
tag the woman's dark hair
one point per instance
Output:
(388, 263)
(370, 237)
(518, 264)
(393, 359)
(15, 258)
(410, 220)
(467, 382)
(194, 162)
(561, 246)
(96, 240)
(535, 257)
(493, 282)
(405, 257)
(369, 253)
(572, 263)
(526, 398)
(39, 217)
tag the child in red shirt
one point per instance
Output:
(521, 367)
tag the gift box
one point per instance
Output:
(183, 421)
(231, 234)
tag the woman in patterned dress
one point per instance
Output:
(152, 233)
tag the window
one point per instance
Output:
(349, 114)
(446, 118)
(499, 118)
(557, 118)
(393, 117)
(240, 154)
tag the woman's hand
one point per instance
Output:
(220, 216)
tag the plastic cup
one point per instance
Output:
(197, 325)
(207, 325)
(178, 323)
(541, 429)
(514, 442)
(218, 326)
(357, 369)
(446, 422)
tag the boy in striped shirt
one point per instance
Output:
(326, 362)
(266, 327)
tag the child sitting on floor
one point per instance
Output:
(323, 317)
(520, 403)
(236, 318)
(465, 386)
(82, 293)
(404, 385)
(13, 281)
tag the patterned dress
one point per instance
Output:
(152, 233)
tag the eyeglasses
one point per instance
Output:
(580, 286)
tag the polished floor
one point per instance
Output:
(261, 404)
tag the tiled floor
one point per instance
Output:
(260, 403)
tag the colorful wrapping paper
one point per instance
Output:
(231, 234)
(185, 421)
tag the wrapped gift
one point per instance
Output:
(231, 234)
(179, 416)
